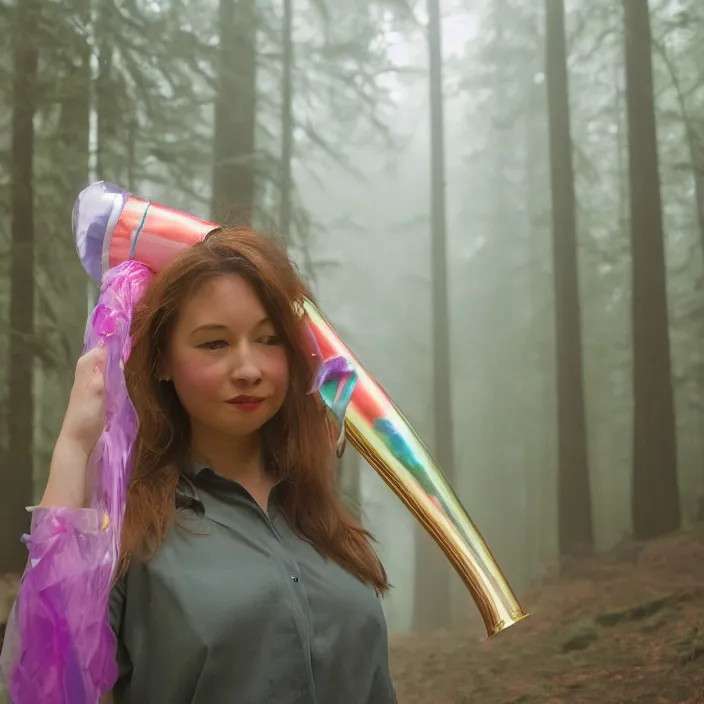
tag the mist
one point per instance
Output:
(573, 227)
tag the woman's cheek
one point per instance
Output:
(276, 370)
(196, 375)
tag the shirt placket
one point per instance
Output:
(290, 573)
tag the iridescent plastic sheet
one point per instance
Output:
(59, 647)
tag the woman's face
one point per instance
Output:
(227, 364)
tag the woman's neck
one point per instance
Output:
(236, 458)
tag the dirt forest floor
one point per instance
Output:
(624, 628)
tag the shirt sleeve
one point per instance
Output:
(117, 606)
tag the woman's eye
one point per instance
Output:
(270, 340)
(214, 345)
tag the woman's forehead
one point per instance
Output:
(226, 300)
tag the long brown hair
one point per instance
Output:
(297, 439)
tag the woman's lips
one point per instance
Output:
(246, 403)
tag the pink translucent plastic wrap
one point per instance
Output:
(59, 648)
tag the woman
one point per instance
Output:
(242, 578)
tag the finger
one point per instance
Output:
(96, 384)
(92, 362)
(90, 355)
(100, 351)
(96, 356)
(100, 357)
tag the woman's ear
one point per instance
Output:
(163, 370)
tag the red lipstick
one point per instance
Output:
(246, 403)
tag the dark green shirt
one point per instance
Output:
(237, 609)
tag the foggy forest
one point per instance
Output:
(499, 206)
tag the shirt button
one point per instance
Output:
(294, 578)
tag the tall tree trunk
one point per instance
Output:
(72, 146)
(101, 109)
(655, 498)
(286, 123)
(16, 471)
(432, 597)
(539, 375)
(103, 99)
(621, 147)
(575, 532)
(233, 157)
(695, 142)
(58, 269)
(504, 246)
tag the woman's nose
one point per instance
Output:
(248, 376)
(246, 371)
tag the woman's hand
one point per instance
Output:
(85, 416)
(83, 424)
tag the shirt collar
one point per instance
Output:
(195, 468)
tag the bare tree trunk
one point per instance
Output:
(72, 145)
(539, 375)
(16, 471)
(235, 109)
(59, 273)
(621, 148)
(432, 597)
(102, 95)
(575, 532)
(655, 499)
(695, 142)
(286, 123)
